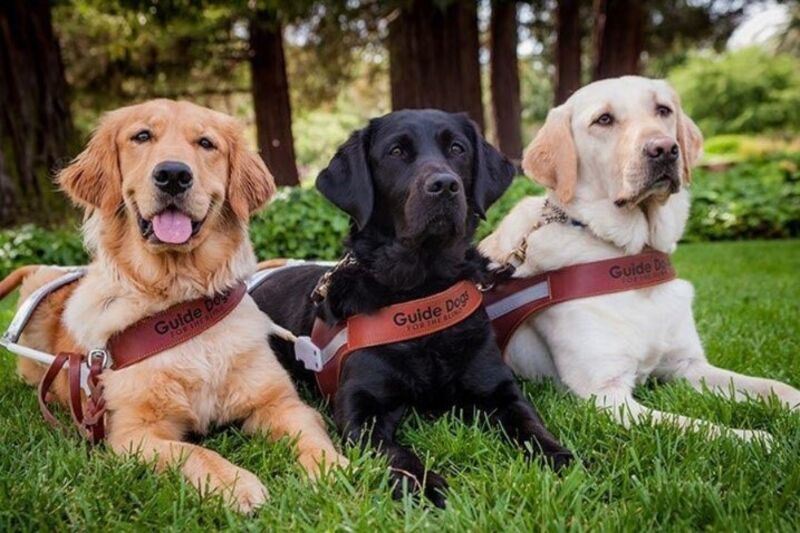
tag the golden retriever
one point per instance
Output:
(616, 157)
(168, 188)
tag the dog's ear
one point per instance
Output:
(550, 159)
(93, 179)
(347, 180)
(250, 184)
(492, 171)
(690, 140)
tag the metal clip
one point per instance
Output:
(105, 357)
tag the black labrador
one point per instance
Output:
(416, 184)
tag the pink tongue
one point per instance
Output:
(172, 227)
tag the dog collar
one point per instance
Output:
(551, 213)
(328, 347)
(509, 303)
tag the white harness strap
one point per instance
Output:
(519, 299)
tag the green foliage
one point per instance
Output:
(747, 91)
(754, 199)
(299, 223)
(33, 245)
(521, 188)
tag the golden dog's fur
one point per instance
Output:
(228, 373)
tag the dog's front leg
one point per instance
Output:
(365, 419)
(702, 375)
(276, 409)
(619, 402)
(498, 394)
(159, 443)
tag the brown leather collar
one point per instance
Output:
(330, 345)
(136, 343)
(509, 303)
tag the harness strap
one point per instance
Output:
(330, 345)
(510, 303)
(171, 327)
(136, 343)
(92, 424)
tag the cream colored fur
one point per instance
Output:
(602, 347)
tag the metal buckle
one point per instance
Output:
(105, 357)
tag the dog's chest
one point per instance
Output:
(203, 381)
(632, 332)
(435, 365)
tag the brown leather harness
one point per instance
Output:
(330, 345)
(144, 339)
(508, 303)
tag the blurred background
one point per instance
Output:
(302, 74)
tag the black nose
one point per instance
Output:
(661, 149)
(172, 177)
(442, 185)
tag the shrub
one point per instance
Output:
(33, 245)
(747, 91)
(754, 199)
(299, 223)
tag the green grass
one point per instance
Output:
(747, 309)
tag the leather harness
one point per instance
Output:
(508, 303)
(144, 339)
(330, 345)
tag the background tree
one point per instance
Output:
(618, 37)
(504, 77)
(568, 49)
(270, 87)
(433, 57)
(35, 120)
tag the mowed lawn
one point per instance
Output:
(748, 310)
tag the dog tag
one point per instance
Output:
(308, 353)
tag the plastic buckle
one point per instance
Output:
(308, 353)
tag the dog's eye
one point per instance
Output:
(206, 143)
(606, 119)
(663, 111)
(142, 136)
(396, 151)
(457, 149)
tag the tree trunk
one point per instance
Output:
(568, 49)
(433, 54)
(618, 37)
(35, 123)
(7, 196)
(504, 76)
(270, 88)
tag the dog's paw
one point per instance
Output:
(245, 493)
(559, 460)
(431, 484)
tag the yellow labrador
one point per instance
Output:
(616, 158)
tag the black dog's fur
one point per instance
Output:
(411, 239)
